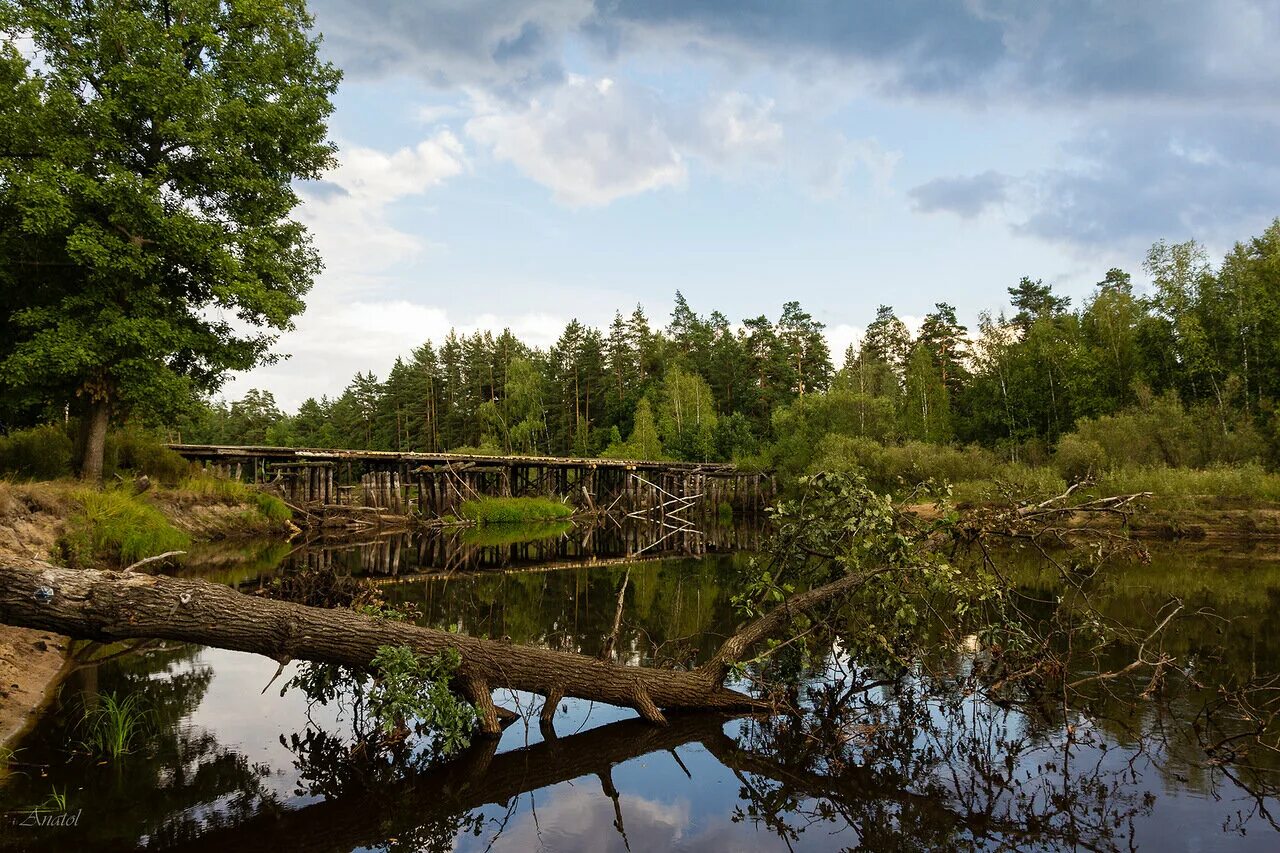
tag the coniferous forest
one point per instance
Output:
(1183, 372)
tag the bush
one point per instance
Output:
(1077, 458)
(1010, 481)
(901, 467)
(134, 449)
(1159, 431)
(514, 510)
(40, 453)
(115, 526)
(1250, 482)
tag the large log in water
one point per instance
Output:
(111, 606)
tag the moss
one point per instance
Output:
(514, 510)
(116, 527)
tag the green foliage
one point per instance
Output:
(408, 687)
(140, 451)
(41, 453)
(644, 442)
(1077, 457)
(1160, 431)
(113, 725)
(1172, 485)
(158, 151)
(230, 491)
(514, 510)
(116, 526)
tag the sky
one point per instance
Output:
(520, 163)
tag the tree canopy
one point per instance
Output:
(147, 159)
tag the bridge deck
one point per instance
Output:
(383, 457)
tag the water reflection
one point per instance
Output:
(912, 761)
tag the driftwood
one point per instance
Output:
(113, 606)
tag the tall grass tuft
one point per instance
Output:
(113, 725)
(203, 486)
(116, 526)
(514, 510)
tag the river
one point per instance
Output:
(229, 763)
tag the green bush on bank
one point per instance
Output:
(40, 453)
(514, 510)
(118, 527)
(1241, 482)
(139, 451)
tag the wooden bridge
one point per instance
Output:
(435, 484)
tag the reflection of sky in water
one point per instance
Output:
(662, 807)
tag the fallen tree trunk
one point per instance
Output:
(113, 606)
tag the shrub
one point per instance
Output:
(1250, 482)
(134, 449)
(514, 510)
(118, 527)
(1159, 431)
(40, 453)
(1010, 481)
(1077, 458)
(901, 467)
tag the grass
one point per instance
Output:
(204, 487)
(1184, 486)
(514, 510)
(114, 724)
(116, 526)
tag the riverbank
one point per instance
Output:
(49, 520)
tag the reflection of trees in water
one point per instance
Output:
(901, 770)
(527, 546)
(672, 611)
(178, 781)
(907, 771)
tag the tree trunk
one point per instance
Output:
(111, 606)
(95, 440)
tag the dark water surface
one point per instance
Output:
(231, 767)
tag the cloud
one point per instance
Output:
(964, 196)
(580, 818)
(1140, 180)
(337, 337)
(348, 212)
(508, 47)
(982, 48)
(589, 141)
(595, 140)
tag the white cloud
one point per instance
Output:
(839, 338)
(579, 817)
(589, 141)
(593, 141)
(336, 338)
(348, 212)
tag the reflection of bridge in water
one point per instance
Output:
(529, 548)
(435, 484)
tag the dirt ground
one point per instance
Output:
(30, 661)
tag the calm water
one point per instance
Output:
(231, 767)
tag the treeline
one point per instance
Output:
(1197, 355)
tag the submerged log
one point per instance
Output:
(112, 606)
